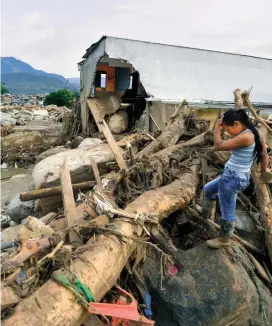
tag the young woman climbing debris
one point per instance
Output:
(246, 147)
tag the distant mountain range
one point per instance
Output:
(21, 78)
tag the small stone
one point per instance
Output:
(90, 142)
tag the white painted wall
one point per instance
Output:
(170, 72)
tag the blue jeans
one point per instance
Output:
(228, 185)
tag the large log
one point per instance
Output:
(263, 196)
(100, 266)
(170, 135)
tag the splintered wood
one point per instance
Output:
(103, 127)
(69, 203)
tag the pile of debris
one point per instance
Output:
(122, 241)
(28, 131)
(20, 115)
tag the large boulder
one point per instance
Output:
(26, 139)
(7, 119)
(47, 172)
(18, 210)
(22, 139)
(50, 152)
(118, 122)
(90, 142)
(215, 288)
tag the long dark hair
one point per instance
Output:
(240, 115)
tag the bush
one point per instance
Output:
(62, 97)
(4, 89)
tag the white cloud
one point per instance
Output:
(52, 35)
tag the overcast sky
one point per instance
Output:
(52, 35)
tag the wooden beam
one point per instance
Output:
(96, 173)
(103, 127)
(69, 202)
(53, 191)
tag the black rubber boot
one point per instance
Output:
(207, 207)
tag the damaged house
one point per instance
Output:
(129, 77)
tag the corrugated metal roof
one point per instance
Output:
(94, 46)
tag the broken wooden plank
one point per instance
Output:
(103, 127)
(53, 191)
(69, 202)
(96, 173)
(83, 210)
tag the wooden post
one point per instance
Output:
(96, 173)
(69, 202)
(103, 127)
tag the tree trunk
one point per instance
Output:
(263, 196)
(100, 266)
(170, 135)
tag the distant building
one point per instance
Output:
(6, 99)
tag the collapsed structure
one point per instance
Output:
(127, 212)
(132, 76)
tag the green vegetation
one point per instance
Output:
(4, 89)
(62, 97)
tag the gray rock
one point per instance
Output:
(42, 113)
(118, 122)
(12, 223)
(18, 210)
(26, 112)
(50, 152)
(90, 142)
(38, 118)
(246, 228)
(76, 141)
(5, 221)
(6, 119)
(22, 139)
(214, 288)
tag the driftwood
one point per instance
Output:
(53, 191)
(100, 266)
(170, 135)
(238, 99)
(245, 96)
(263, 196)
